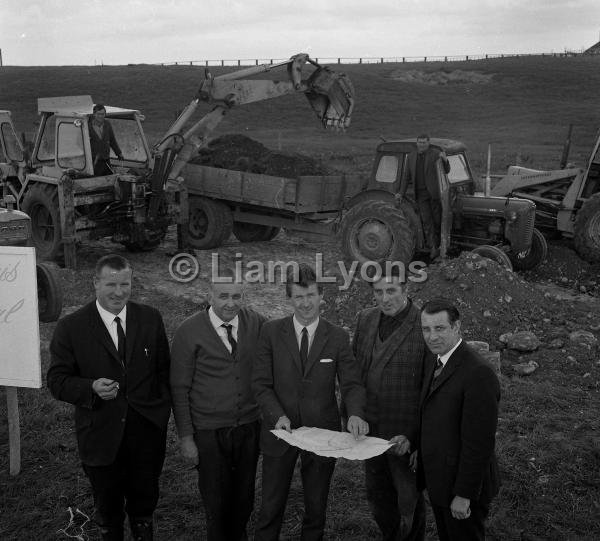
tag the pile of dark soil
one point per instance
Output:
(241, 153)
(491, 300)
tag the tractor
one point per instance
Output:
(376, 227)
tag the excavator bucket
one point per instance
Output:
(331, 95)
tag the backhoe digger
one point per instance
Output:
(55, 184)
(567, 200)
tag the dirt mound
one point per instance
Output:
(442, 77)
(491, 299)
(241, 153)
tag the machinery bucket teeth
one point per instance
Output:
(331, 96)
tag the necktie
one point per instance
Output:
(304, 348)
(121, 340)
(232, 341)
(438, 367)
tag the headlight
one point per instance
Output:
(511, 216)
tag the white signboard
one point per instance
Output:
(20, 364)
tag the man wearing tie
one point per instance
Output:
(459, 414)
(111, 360)
(215, 412)
(298, 360)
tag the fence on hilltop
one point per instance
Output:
(359, 60)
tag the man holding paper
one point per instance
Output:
(388, 344)
(298, 360)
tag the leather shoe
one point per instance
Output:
(141, 530)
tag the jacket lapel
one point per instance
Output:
(399, 335)
(100, 332)
(132, 328)
(290, 341)
(451, 366)
(318, 344)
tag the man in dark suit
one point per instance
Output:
(388, 344)
(421, 172)
(111, 360)
(459, 414)
(102, 139)
(215, 411)
(298, 360)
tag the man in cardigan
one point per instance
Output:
(102, 139)
(215, 412)
(421, 170)
(388, 343)
(298, 360)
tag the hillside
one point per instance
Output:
(522, 106)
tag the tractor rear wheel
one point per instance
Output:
(247, 232)
(587, 230)
(210, 223)
(377, 231)
(49, 293)
(41, 203)
(495, 254)
(534, 256)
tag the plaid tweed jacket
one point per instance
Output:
(394, 375)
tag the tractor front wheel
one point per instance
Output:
(495, 254)
(534, 256)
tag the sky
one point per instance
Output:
(89, 32)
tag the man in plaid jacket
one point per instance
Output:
(388, 344)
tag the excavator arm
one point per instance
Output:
(330, 94)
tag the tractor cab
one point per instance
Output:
(63, 139)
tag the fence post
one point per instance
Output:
(239, 62)
(424, 59)
(271, 60)
(445, 59)
(382, 60)
(467, 57)
(403, 60)
(222, 63)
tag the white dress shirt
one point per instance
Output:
(444, 358)
(218, 323)
(111, 325)
(311, 329)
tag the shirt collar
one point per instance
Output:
(109, 317)
(444, 358)
(310, 328)
(217, 322)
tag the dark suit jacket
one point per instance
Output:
(459, 414)
(307, 399)
(82, 351)
(395, 378)
(430, 171)
(101, 145)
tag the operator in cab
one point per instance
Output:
(102, 139)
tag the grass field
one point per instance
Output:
(548, 437)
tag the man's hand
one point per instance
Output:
(106, 389)
(189, 451)
(402, 445)
(357, 426)
(283, 423)
(460, 508)
(413, 460)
